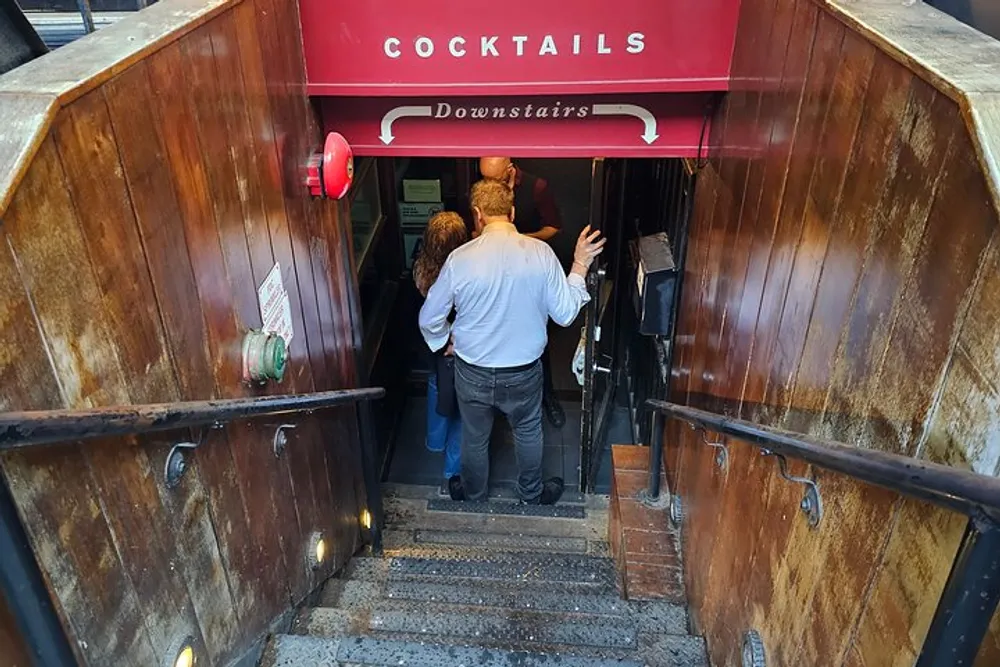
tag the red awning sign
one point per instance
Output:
(612, 126)
(516, 47)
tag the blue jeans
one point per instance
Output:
(444, 434)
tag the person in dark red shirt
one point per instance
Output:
(535, 215)
(535, 210)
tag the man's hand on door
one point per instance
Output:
(588, 246)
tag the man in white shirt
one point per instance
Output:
(504, 287)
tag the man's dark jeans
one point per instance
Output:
(516, 392)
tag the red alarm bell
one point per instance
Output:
(329, 174)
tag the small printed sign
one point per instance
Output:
(275, 306)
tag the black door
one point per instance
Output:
(601, 366)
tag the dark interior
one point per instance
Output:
(627, 199)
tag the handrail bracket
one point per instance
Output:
(812, 502)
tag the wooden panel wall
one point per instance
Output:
(130, 254)
(842, 281)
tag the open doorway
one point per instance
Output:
(626, 199)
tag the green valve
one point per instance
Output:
(265, 357)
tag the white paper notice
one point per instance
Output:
(275, 308)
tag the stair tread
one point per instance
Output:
(513, 628)
(304, 651)
(557, 511)
(490, 585)
(573, 569)
(412, 514)
(664, 617)
(395, 542)
(648, 648)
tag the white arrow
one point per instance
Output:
(396, 114)
(649, 135)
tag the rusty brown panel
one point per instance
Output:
(243, 118)
(706, 195)
(963, 432)
(278, 517)
(157, 213)
(71, 524)
(752, 32)
(307, 460)
(60, 508)
(703, 205)
(909, 583)
(198, 552)
(779, 113)
(789, 233)
(822, 581)
(782, 107)
(847, 182)
(293, 119)
(894, 234)
(738, 528)
(219, 182)
(933, 304)
(285, 103)
(87, 148)
(125, 481)
(14, 651)
(323, 464)
(123, 477)
(267, 149)
(701, 212)
(54, 265)
(27, 377)
(202, 553)
(336, 226)
(966, 422)
(709, 282)
(693, 293)
(896, 229)
(773, 81)
(832, 154)
(176, 114)
(258, 598)
(342, 454)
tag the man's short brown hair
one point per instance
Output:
(493, 198)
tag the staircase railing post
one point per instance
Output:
(655, 456)
(969, 599)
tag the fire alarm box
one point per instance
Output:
(655, 276)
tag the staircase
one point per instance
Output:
(486, 584)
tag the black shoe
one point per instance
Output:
(552, 490)
(554, 411)
(456, 490)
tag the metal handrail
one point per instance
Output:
(26, 429)
(972, 591)
(959, 490)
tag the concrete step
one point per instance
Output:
(450, 543)
(660, 617)
(558, 511)
(522, 568)
(409, 514)
(300, 651)
(513, 629)
(519, 634)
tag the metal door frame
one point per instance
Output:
(596, 405)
